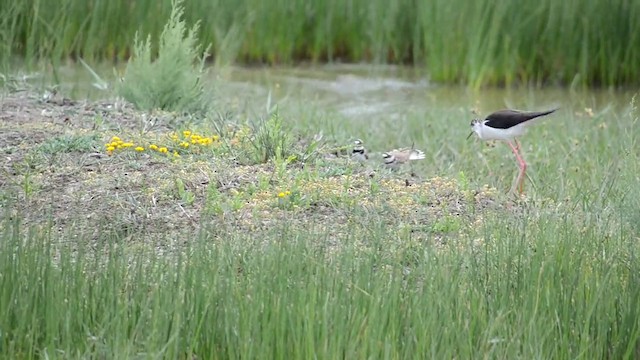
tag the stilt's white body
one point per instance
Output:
(485, 132)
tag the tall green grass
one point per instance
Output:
(593, 42)
(539, 286)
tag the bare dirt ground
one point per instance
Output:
(56, 173)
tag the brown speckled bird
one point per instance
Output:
(397, 157)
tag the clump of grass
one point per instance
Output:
(173, 79)
(271, 140)
(70, 143)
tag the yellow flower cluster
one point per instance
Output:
(118, 144)
(185, 140)
(284, 193)
(188, 138)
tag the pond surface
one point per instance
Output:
(361, 91)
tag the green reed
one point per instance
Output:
(592, 42)
(540, 286)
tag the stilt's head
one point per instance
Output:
(476, 126)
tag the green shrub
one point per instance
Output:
(173, 80)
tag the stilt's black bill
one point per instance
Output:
(469, 135)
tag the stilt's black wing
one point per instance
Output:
(504, 119)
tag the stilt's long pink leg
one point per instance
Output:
(521, 163)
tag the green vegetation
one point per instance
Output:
(69, 143)
(195, 234)
(593, 42)
(271, 140)
(170, 81)
(517, 290)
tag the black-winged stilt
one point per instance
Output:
(507, 125)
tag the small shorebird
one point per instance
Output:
(506, 125)
(397, 157)
(359, 153)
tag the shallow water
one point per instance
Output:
(357, 91)
(390, 91)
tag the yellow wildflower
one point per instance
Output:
(153, 147)
(174, 137)
(186, 133)
(184, 144)
(110, 148)
(175, 153)
(287, 192)
(281, 195)
(139, 149)
(163, 150)
(194, 141)
(196, 137)
(115, 138)
(127, 145)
